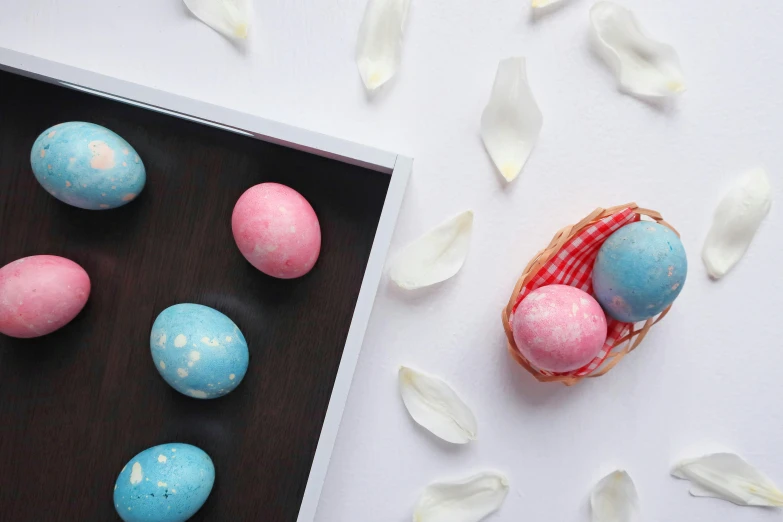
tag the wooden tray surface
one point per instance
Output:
(76, 405)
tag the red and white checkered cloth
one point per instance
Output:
(573, 266)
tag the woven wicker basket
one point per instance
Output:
(631, 335)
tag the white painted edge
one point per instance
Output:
(353, 343)
(194, 110)
(399, 167)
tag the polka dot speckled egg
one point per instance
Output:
(277, 230)
(40, 294)
(199, 351)
(166, 483)
(640, 270)
(87, 166)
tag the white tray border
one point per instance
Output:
(399, 167)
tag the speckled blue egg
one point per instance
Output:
(87, 166)
(166, 483)
(198, 351)
(640, 270)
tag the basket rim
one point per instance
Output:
(636, 334)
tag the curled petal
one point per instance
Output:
(643, 66)
(380, 41)
(512, 120)
(614, 499)
(468, 500)
(436, 256)
(736, 220)
(231, 18)
(727, 476)
(436, 407)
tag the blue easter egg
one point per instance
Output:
(198, 351)
(166, 483)
(640, 270)
(87, 166)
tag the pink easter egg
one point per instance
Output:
(559, 328)
(277, 230)
(40, 294)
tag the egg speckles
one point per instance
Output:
(199, 351)
(87, 166)
(40, 294)
(277, 230)
(166, 483)
(640, 270)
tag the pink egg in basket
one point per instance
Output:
(277, 230)
(559, 328)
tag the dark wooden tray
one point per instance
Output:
(76, 405)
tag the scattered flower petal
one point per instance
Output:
(468, 500)
(643, 66)
(544, 3)
(380, 41)
(512, 120)
(736, 220)
(231, 18)
(727, 476)
(614, 499)
(436, 407)
(436, 256)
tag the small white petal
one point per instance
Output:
(379, 48)
(614, 499)
(436, 256)
(643, 66)
(512, 120)
(544, 3)
(436, 407)
(231, 18)
(736, 220)
(727, 476)
(468, 500)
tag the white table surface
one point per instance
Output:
(708, 377)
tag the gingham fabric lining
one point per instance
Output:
(573, 266)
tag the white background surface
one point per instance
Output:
(708, 377)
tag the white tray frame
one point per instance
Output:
(397, 166)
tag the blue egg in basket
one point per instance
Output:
(639, 271)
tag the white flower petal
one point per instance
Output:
(231, 18)
(544, 3)
(614, 499)
(727, 476)
(436, 256)
(512, 120)
(379, 47)
(643, 66)
(436, 407)
(468, 500)
(736, 220)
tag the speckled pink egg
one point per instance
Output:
(277, 230)
(41, 294)
(559, 328)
